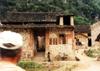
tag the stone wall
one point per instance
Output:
(60, 46)
(28, 50)
(60, 51)
(95, 31)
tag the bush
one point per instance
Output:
(89, 53)
(31, 66)
(79, 20)
(93, 52)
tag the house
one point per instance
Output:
(83, 36)
(42, 32)
(88, 35)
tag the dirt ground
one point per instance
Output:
(88, 66)
(85, 64)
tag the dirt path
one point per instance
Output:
(88, 66)
(83, 57)
(39, 57)
(86, 63)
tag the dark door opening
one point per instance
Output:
(89, 42)
(39, 36)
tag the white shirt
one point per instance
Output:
(6, 66)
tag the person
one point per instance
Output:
(78, 42)
(10, 51)
(49, 59)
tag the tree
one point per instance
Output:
(3, 7)
(87, 10)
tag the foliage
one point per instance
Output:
(31, 66)
(85, 11)
(93, 52)
(90, 53)
(81, 20)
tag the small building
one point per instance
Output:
(88, 35)
(42, 32)
(83, 36)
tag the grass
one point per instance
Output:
(31, 66)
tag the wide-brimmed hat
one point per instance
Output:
(10, 40)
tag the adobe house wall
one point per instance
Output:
(28, 38)
(55, 43)
(28, 50)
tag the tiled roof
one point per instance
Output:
(82, 28)
(31, 17)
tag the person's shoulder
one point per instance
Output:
(10, 67)
(19, 68)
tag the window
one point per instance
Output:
(50, 41)
(53, 39)
(62, 39)
(65, 20)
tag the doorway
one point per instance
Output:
(39, 44)
(39, 37)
